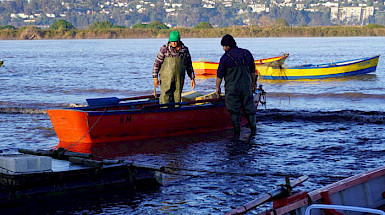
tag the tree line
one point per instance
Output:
(105, 30)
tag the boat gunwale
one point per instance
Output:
(320, 77)
(330, 65)
(347, 183)
(339, 186)
(206, 105)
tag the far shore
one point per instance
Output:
(33, 33)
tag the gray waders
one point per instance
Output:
(239, 95)
(172, 73)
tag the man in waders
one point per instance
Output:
(171, 64)
(238, 69)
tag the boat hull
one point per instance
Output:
(203, 68)
(88, 126)
(362, 190)
(332, 70)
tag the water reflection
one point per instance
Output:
(156, 146)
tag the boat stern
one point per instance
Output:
(70, 125)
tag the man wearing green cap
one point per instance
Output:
(171, 64)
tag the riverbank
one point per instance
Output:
(30, 32)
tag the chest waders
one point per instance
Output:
(239, 95)
(172, 73)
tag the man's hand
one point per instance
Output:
(254, 87)
(156, 82)
(218, 92)
(192, 83)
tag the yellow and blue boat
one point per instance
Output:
(310, 71)
(204, 68)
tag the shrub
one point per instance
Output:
(373, 25)
(62, 25)
(153, 25)
(203, 25)
(10, 27)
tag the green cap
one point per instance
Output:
(174, 36)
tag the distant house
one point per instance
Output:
(50, 15)
(258, 8)
(351, 15)
(208, 3)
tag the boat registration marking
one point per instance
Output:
(125, 120)
(365, 63)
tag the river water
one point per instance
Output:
(326, 129)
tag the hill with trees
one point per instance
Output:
(189, 13)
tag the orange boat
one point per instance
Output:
(108, 120)
(203, 68)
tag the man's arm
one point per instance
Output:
(158, 62)
(221, 72)
(254, 81)
(252, 72)
(189, 68)
(218, 86)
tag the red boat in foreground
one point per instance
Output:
(110, 120)
(364, 193)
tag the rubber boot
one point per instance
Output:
(252, 124)
(236, 119)
(237, 133)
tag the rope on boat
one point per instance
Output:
(195, 173)
(105, 109)
(172, 171)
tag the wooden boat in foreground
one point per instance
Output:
(41, 174)
(204, 68)
(141, 119)
(329, 70)
(364, 190)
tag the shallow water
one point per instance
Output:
(326, 129)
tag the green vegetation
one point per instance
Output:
(281, 23)
(62, 25)
(153, 25)
(203, 25)
(372, 26)
(103, 25)
(106, 30)
(10, 27)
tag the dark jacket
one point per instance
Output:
(238, 54)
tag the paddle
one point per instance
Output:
(114, 100)
(268, 196)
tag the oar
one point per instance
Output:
(268, 196)
(114, 100)
(181, 103)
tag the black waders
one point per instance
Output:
(239, 95)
